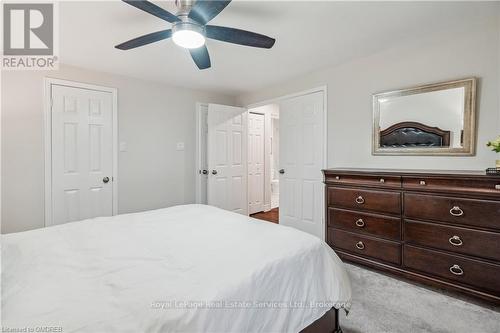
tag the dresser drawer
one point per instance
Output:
(378, 201)
(364, 180)
(470, 272)
(455, 184)
(479, 213)
(376, 248)
(460, 240)
(366, 223)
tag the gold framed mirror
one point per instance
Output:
(433, 119)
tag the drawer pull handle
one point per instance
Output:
(456, 211)
(456, 270)
(423, 183)
(360, 246)
(382, 180)
(455, 241)
(360, 200)
(360, 223)
(337, 178)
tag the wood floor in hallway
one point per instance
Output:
(271, 216)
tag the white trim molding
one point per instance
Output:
(47, 110)
(198, 152)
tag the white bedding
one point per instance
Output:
(190, 268)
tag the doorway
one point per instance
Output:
(298, 154)
(263, 162)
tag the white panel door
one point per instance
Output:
(255, 163)
(301, 160)
(227, 158)
(82, 154)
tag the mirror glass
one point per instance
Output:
(425, 120)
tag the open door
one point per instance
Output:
(301, 151)
(227, 158)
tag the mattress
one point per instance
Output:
(190, 268)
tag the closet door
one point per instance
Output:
(255, 163)
(82, 154)
(227, 158)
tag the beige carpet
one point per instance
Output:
(385, 304)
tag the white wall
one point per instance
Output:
(152, 118)
(472, 50)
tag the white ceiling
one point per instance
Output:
(310, 35)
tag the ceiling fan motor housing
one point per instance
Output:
(184, 6)
(185, 22)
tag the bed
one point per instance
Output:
(190, 268)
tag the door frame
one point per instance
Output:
(47, 138)
(198, 151)
(277, 100)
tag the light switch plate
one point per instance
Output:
(123, 146)
(180, 146)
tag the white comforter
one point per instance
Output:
(190, 268)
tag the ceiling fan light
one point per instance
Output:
(188, 39)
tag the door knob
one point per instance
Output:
(105, 180)
(204, 172)
(214, 172)
(282, 171)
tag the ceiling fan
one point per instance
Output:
(189, 28)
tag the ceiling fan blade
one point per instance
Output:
(237, 36)
(144, 40)
(153, 9)
(201, 57)
(205, 10)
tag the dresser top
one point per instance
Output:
(410, 172)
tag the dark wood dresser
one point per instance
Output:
(442, 229)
